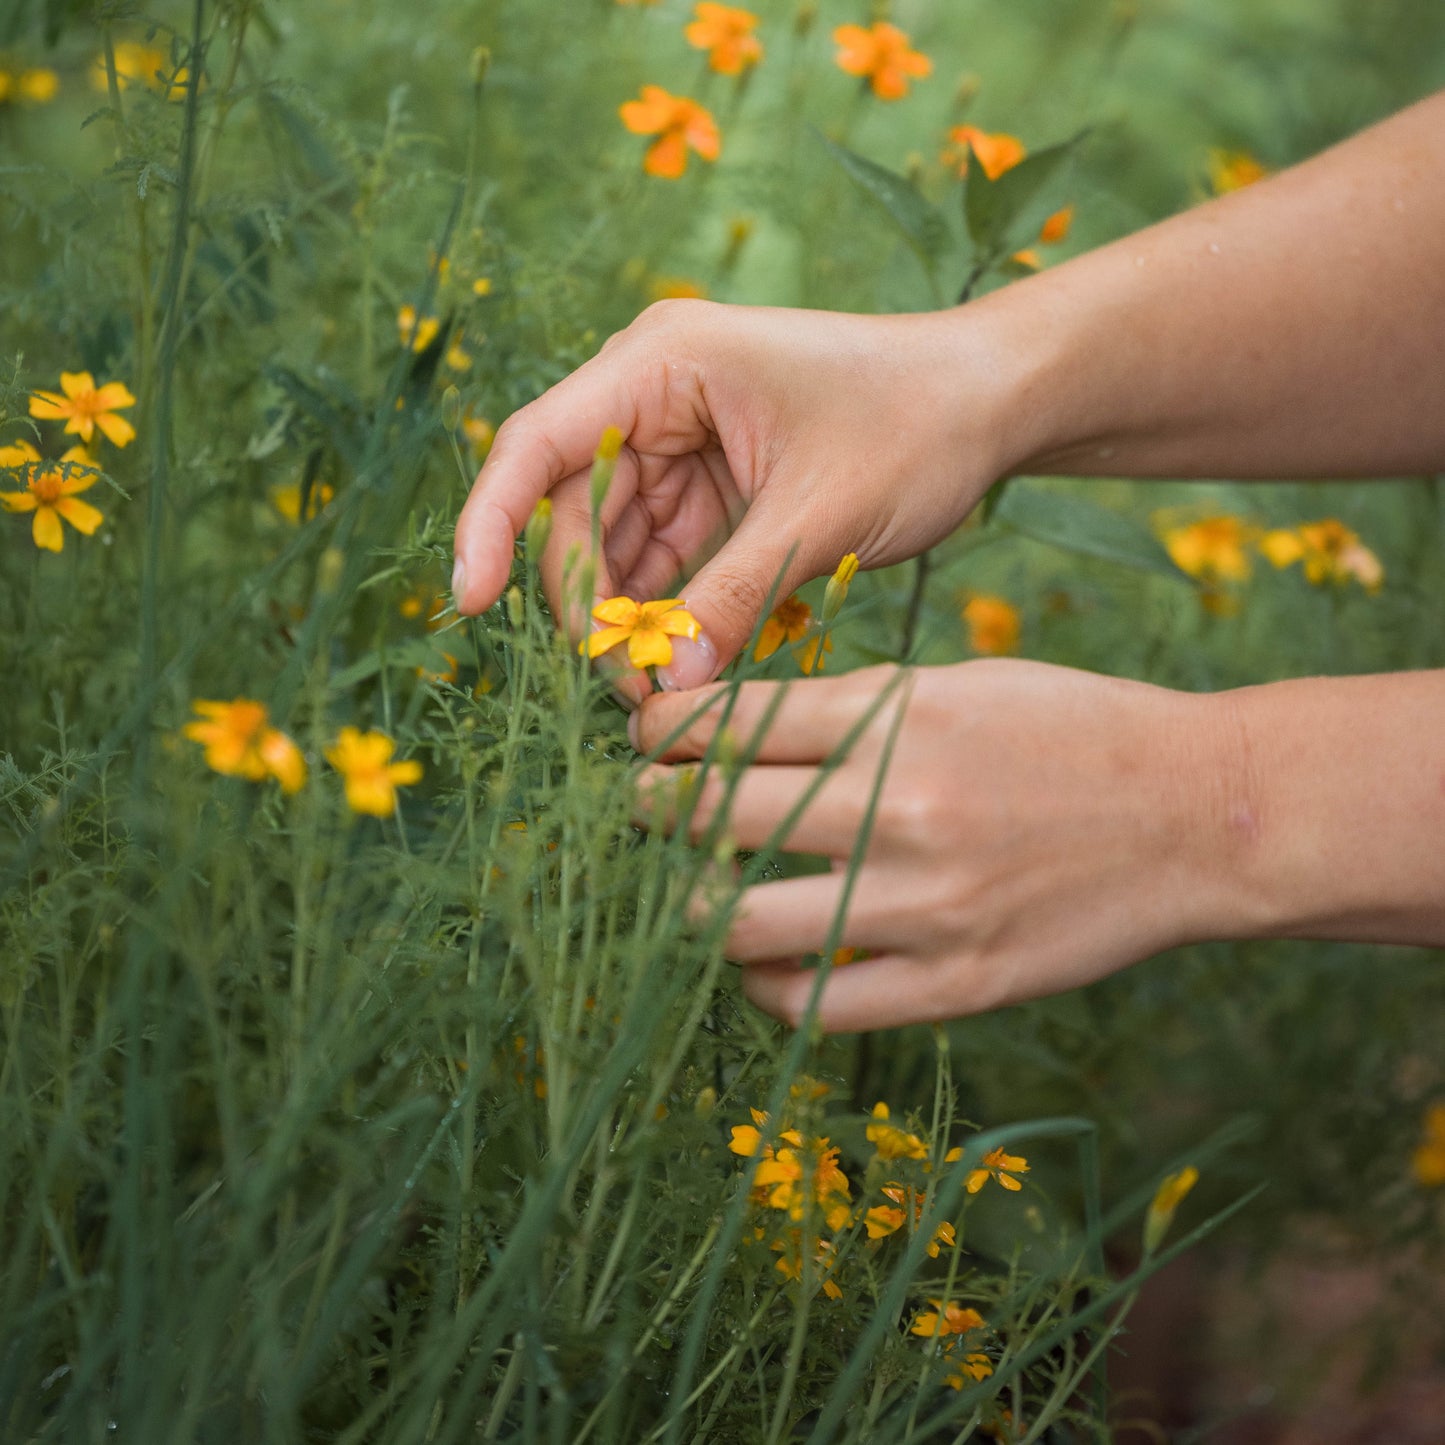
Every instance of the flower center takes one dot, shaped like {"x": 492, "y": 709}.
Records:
{"x": 45, "y": 487}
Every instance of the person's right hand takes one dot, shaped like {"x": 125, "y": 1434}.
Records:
{"x": 761, "y": 446}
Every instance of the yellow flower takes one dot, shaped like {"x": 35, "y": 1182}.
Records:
{"x": 417, "y": 334}
{"x": 973, "y": 1366}
{"x": 134, "y": 64}
{"x": 884, "y": 1219}
{"x": 1330, "y": 551}
{"x": 646, "y": 627}
{"x": 1212, "y": 549}
{"x": 798, "y": 1178}
{"x": 84, "y": 406}
{"x": 34, "y": 87}
{"x": 993, "y": 625}
{"x": 811, "y": 655}
{"x": 1167, "y": 1199}
{"x": 240, "y": 743}
{"x": 891, "y": 1142}
{"x": 676, "y": 288}
{"x": 1428, "y": 1161}
{"x": 287, "y": 500}
{"x": 364, "y": 761}
{"x": 947, "y": 1317}
{"x": 787, "y": 622}
{"x": 1000, "y": 1166}
{"x": 458, "y": 358}
{"x": 790, "y": 1266}
{"x": 1233, "y": 170}
{"x": 882, "y": 55}
{"x": 835, "y": 594}
{"x": 50, "y": 494}
{"x": 726, "y": 33}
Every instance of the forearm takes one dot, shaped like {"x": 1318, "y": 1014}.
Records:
{"x": 1292, "y": 329}
{"x": 1321, "y": 807}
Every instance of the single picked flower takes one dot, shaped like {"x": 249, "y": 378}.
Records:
{"x": 364, "y": 761}
{"x": 646, "y": 627}
{"x": 50, "y": 493}
{"x": 83, "y": 407}
{"x": 240, "y": 742}
{"x": 680, "y": 125}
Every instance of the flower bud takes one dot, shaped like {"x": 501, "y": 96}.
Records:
{"x": 836, "y": 593}
{"x": 451, "y": 409}
{"x": 604, "y": 464}
{"x": 514, "y": 605}
{"x": 1167, "y": 1199}
{"x": 539, "y": 529}
{"x": 481, "y": 63}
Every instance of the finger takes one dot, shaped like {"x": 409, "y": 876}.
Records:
{"x": 536, "y": 448}
{"x": 763, "y": 560}
{"x": 794, "y": 916}
{"x": 806, "y": 720}
{"x": 874, "y": 993}
{"x": 778, "y": 807}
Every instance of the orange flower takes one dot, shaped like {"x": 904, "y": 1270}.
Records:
{"x": 1428, "y": 1161}
{"x": 240, "y": 743}
{"x": 364, "y": 761}
{"x": 1212, "y": 549}
{"x": 993, "y": 625}
{"x": 1233, "y": 170}
{"x": 891, "y": 1142}
{"x": 1000, "y": 1166}
{"x": 1330, "y": 551}
{"x": 678, "y": 123}
{"x": 726, "y": 33}
{"x": 50, "y": 494}
{"x": 790, "y": 1266}
{"x": 882, "y": 55}
{"x": 973, "y": 1366}
{"x": 646, "y": 627}
{"x": 946, "y": 1318}
{"x": 997, "y": 152}
{"x": 84, "y": 406}
{"x": 1056, "y": 228}
{"x": 797, "y": 1177}
{"x": 883, "y": 1219}
{"x": 787, "y": 622}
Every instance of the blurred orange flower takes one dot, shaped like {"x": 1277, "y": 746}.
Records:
{"x": 1212, "y": 549}
{"x": 240, "y": 742}
{"x": 946, "y": 1318}
{"x": 1330, "y": 551}
{"x": 417, "y": 333}
{"x": 726, "y": 33}
{"x": 883, "y": 56}
{"x": 993, "y": 625}
{"x": 1233, "y": 170}
{"x": 1428, "y": 1161}
{"x": 678, "y": 123}
{"x": 997, "y": 152}
{"x": 364, "y": 762}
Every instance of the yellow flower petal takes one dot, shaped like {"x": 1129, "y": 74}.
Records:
{"x": 650, "y": 648}
{"x": 81, "y": 515}
{"x": 47, "y": 530}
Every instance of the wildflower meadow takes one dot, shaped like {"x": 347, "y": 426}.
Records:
{"x": 369, "y": 1070}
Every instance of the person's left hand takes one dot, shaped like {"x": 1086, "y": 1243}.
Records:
{"x": 1037, "y": 828}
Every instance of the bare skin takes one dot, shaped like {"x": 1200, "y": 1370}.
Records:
{"x": 1041, "y": 827}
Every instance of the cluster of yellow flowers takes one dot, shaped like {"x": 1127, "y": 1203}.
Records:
{"x": 1217, "y": 549}
{"x": 139, "y": 63}
{"x": 799, "y": 1175}
{"x": 51, "y": 487}
{"x": 35, "y": 85}
{"x": 241, "y": 743}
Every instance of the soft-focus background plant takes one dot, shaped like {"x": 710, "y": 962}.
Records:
{"x": 372, "y": 1085}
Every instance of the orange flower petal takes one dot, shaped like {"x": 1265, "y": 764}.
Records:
{"x": 81, "y": 515}
{"x": 46, "y": 529}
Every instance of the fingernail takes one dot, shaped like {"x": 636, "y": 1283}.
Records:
{"x": 694, "y": 662}
{"x": 459, "y": 581}
{"x": 634, "y": 731}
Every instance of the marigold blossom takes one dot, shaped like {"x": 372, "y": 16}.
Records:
{"x": 882, "y": 55}
{"x": 83, "y": 407}
{"x": 891, "y": 1142}
{"x": 679, "y": 123}
{"x": 800, "y": 1178}
{"x": 787, "y": 622}
{"x": 1330, "y": 551}
{"x": 288, "y": 500}
{"x": 240, "y": 742}
{"x": 966, "y": 1369}
{"x": 726, "y": 33}
{"x": 1056, "y": 227}
{"x": 947, "y": 1317}
{"x": 1166, "y": 1201}
{"x": 416, "y": 333}
{"x": 885, "y": 1219}
{"x": 993, "y": 625}
{"x": 364, "y": 761}
{"x": 997, "y": 152}
{"x": 1000, "y": 1166}
{"x": 1212, "y": 549}
{"x": 790, "y": 1266}
{"x": 1233, "y": 170}
{"x": 1427, "y": 1163}
{"x": 50, "y": 493}
{"x": 646, "y": 627}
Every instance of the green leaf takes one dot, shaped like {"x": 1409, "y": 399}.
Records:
{"x": 1015, "y": 204}
{"x": 918, "y": 220}
{"x": 1084, "y": 527}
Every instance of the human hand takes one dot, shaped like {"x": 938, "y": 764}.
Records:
{"x": 761, "y": 445}
{"x": 1037, "y": 828}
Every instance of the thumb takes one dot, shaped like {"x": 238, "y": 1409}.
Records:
{"x": 760, "y": 564}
